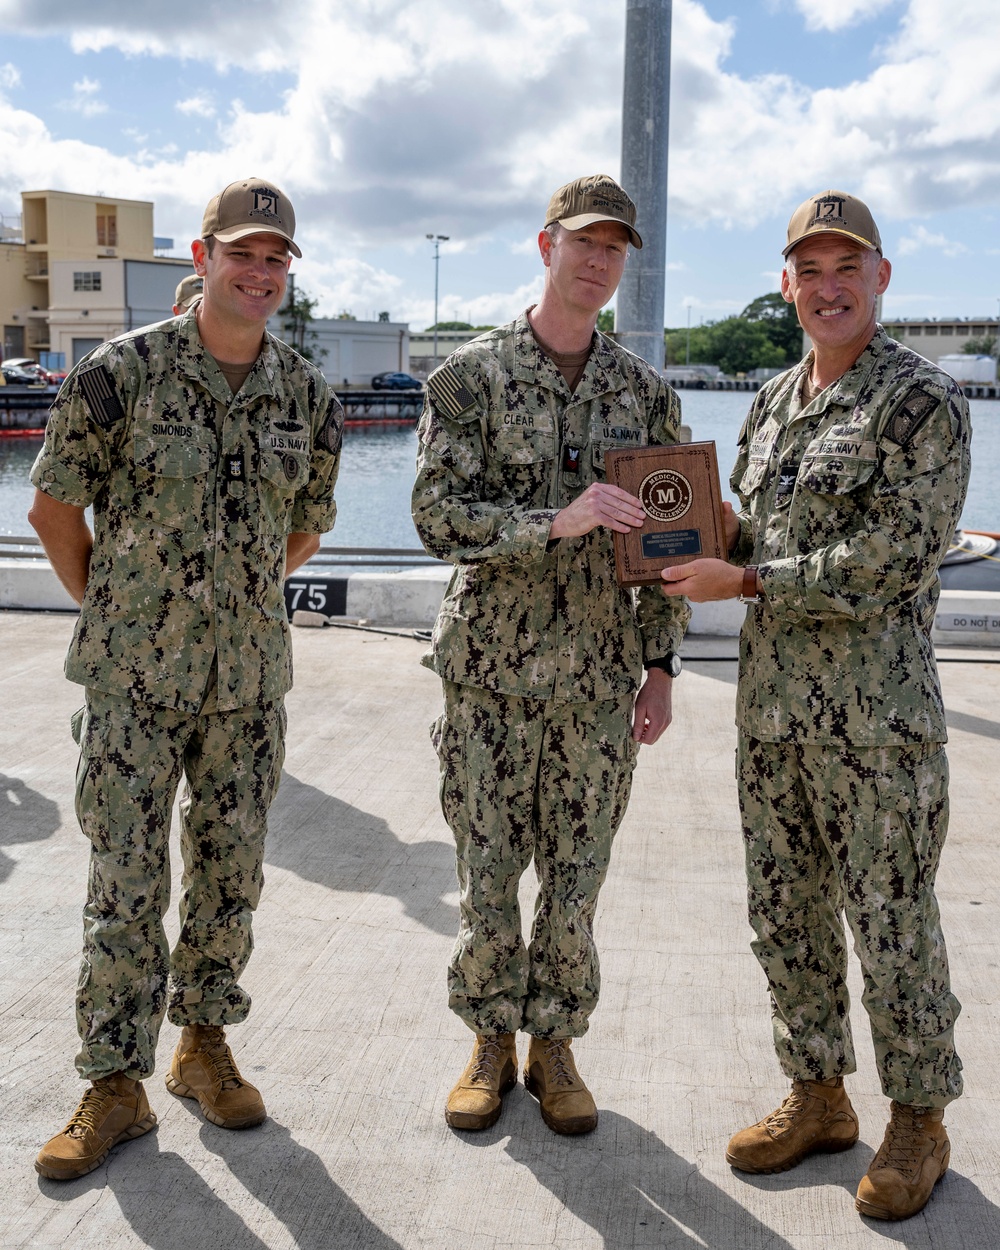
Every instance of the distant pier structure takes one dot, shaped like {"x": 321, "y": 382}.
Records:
{"x": 645, "y": 135}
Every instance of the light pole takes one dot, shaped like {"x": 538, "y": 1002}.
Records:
{"x": 437, "y": 240}
{"x": 687, "y": 349}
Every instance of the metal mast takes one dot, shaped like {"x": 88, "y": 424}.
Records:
{"x": 645, "y": 132}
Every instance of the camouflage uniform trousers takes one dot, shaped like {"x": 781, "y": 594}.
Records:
{"x": 830, "y": 830}
{"x": 131, "y": 761}
{"x": 523, "y": 778}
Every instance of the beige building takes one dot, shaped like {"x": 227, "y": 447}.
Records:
{"x": 937, "y": 338}
{"x": 65, "y": 284}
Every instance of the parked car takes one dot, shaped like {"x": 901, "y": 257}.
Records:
{"x": 395, "y": 382}
{"x": 14, "y": 375}
{"x": 34, "y": 371}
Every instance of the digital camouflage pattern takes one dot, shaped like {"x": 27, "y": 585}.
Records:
{"x": 132, "y": 758}
{"x": 850, "y": 505}
{"x": 523, "y": 778}
{"x": 504, "y": 446}
{"x": 835, "y": 829}
{"x": 195, "y": 491}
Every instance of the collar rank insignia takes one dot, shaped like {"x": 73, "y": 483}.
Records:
{"x": 910, "y": 416}
{"x": 450, "y": 394}
{"x": 98, "y": 387}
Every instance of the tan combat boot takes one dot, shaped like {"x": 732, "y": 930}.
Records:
{"x": 815, "y": 1118}
{"x": 203, "y": 1068}
{"x": 550, "y": 1074}
{"x": 114, "y": 1109}
{"x": 911, "y": 1160}
{"x": 477, "y": 1099}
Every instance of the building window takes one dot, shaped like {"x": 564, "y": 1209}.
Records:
{"x": 930, "y": 329}
{"x": 914, "y": 332}
{"x": 87, "y": 281}
{"x": 947, "y": 329}
{"x": 961, "y": 329}
{"x": 107, "y": 227}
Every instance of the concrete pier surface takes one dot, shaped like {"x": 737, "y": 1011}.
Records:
{"x": 350, "y": 1038}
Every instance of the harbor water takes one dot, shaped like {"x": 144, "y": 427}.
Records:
{"x": 376, "y": 474}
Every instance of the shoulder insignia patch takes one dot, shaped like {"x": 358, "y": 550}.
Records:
{"x": 98, "y": 388}
{"x": 332, "y": 429}
{"x": 910, "y": 415}
{"x": 449, "y": 392}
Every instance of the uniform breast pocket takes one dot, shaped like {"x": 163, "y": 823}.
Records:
{"x": 171, "y": 478}
{"x": 283, "y": 473}
{"x": 835, "y": 475}
{"x": 752, "y": 478}
{"x": 521, "y": 463}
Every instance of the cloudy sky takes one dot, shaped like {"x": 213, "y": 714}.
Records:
{"x": 386, "y": 120}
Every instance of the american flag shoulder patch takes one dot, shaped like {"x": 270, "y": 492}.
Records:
{"x": 449, "y": 393}
{"x": 98, "y": 389}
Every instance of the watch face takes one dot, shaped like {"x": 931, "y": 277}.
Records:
{"x": 673, "y": 664}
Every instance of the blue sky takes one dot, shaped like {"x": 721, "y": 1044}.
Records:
{"x": 385, "y": 120}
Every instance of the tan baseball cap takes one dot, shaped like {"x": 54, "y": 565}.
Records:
{"x": 594, "y": 198}
{"x": 188, "y": 290}
{"x": 834, "y": 212}
{"x": 252, "y": 206}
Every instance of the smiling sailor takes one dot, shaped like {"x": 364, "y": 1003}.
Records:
{"x": 852, "y": 471}
{"x": 540, "y": 651}
{"x": 209, "y": 451}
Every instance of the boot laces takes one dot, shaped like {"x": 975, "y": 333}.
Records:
{"x": 92, "y": 1108}
{"x": 791, "y": 1109}
{"x": 212, "y": 1043}
{"x": 487, "y": 1063}
{"x": 558, "y": 1062}
{"x": 905, "y": 1140}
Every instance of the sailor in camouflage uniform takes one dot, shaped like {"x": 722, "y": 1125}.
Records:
{"x": 539, "y": 649}
{"x": 209, "y": 451}
{"x": 852, "y": 472}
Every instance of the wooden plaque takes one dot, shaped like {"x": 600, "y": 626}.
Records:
{"x": 679, "y": 490}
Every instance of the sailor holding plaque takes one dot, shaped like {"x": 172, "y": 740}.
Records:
{"x": 852, "y": 471}
{"x": 539, "y": 649}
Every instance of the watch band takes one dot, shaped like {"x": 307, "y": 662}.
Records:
{"x": 669, "y": 663}
{"x": 749, "y": 593}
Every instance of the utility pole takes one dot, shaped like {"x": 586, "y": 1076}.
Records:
{"x": 437, "y": 240}
{"x": 645, "y": 136}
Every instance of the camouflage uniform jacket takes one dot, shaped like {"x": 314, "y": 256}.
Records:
{"x": 850, "y": 504}
{"x": 194, "y": 491}
{"x": 503, "y": 447}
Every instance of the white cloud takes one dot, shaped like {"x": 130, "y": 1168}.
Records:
{"x": 85, "y": 99}
{"x": 460, "y": 116}
{"x": 920, "y": 237}
{"x": 821, "y": 15}
{"x": 10, "y": 76}
{"x": 200, "y": 104}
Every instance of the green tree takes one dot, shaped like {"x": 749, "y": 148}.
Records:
{"x": 780, "y": 321}
{"x": 297, "y": 316}
{"x": 981, "y": 347}
{"x": 606, "y": 320}
{"x": 739, "y": 345}
{"x": 451, "y": 325}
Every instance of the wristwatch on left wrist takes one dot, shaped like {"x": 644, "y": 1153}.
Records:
{"x": 670, "y": 663}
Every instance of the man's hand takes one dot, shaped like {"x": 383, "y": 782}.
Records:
{"x": 732, "y": 526}
{"x": 703, "y": 581}
{"x": 298, "y": 549}
{"x": 653, "y": 711}
{"x": 600, "y": 504}
{"x": 67, "y": 540}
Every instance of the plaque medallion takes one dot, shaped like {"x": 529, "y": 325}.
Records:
{"x": 666, "y": 495}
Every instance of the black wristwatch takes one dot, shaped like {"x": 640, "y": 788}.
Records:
{"x": 670, "y": 663}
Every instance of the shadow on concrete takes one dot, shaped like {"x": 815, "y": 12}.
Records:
{"x": 632, "y": 1189}
{"x": 972, "y": 724}
{"x": 322, "y": 839}
{"x": 293, "y": 1184}
{"x": 958, "y": 1215}
{"x": 721, "y": 670}
{"x": 162, "y": 1198}
{"x": 25, "y": 816}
